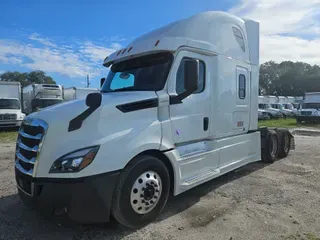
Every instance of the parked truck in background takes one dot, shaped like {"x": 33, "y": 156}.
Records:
{"x": 264, "y": 104}
{"x": 39, "y": 96}
{"x": 10, "y": 104}
{"x": 74, "y": 93}
{"x": 310, "y": 109}
{"x": 178, "y": 108}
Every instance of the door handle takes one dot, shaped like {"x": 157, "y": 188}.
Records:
{"x": 205, "y": 123}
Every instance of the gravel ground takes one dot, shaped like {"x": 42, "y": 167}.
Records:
{"x": 258, "y": 201}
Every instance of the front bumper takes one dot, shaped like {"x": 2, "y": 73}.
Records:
{"x": 16, "y": 123}
{"x": 85, "y": 200}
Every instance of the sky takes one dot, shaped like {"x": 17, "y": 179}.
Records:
{"x": 69, "y": 41}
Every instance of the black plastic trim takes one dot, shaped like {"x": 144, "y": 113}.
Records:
{"x": 138, "y": 105}
{"x": 174, "y": 100}
{"x": 76, "y": 123}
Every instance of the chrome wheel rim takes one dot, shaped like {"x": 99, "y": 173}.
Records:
{"x": 146, "y": 192}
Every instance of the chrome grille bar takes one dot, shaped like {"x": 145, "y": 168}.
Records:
{"x": 26, "y": 135}
{"x": 24, "y": 159}
{"x": 21, "y": 145}
{"x": 21, "y": 169}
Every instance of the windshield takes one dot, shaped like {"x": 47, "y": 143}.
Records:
{"x": 311, "y": 105}
{"x": 9, "y": 104}
{"x": 288, "y": 106}
{"x": 146, "y": 73}
{"x": 295, "y": 105}
{"x": 49, "y": 102}
{"x": 42, "y": 103}
{"x": 264, "y": 106}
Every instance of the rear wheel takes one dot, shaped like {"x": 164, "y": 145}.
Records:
{"x": 285, "y": 145}
{"x": 270, "y": 150}
{"x": 142, "y": 192}
{"x": 270, "y": 115}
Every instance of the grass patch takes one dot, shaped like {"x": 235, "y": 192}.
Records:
{"x": 8, "y": 136}
{"x": 286, "y": 123}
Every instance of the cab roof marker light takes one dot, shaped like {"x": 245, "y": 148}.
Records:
{"x": 129, "y": 49}
{"x": 157, "y": 42}
{"x": 119, "y": 52}
{"x": 124, "y": 51}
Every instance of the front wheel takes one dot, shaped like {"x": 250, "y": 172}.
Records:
{"x": 142, "y": 192}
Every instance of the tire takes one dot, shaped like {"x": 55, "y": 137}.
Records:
{"x": 299, "y": 121}
{"x": 270, "y": 151}
{"x": 270, "y": 116}
{"x": 126, "y": 203}
{"x": 284, "y": 116}
{"x": 284, "y": 147}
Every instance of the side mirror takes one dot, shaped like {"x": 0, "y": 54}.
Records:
{"x": 102, "y": 80}
{"x": 191, "y": 75}
{"x": 93, "y": 100}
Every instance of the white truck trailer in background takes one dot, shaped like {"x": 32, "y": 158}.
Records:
{"x": 10, "y": 104}
{"x": 178, "y": 108}
{"x": 310, "y": 110}
{"x": 39, "y": 96}
{"x": 74, "y": 93}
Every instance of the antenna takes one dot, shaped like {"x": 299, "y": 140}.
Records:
{"x": 88, "y": 81}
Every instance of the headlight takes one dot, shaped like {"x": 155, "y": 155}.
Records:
{"x": 74, "y": 161}
{"x": 22, "y": 116}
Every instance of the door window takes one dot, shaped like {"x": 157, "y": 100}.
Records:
{"x": 180, "y": 77}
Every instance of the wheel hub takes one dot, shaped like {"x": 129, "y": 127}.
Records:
{"x": 146, "y": 192}
{"x": 149, "y": 193}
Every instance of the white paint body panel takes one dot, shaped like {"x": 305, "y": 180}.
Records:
{"x": 197, "y": 155}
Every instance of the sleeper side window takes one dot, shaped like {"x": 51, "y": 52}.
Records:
{"x": 180, "y": 77}
{"x": 242, "y": 86}
{"x": 239, "y": 37}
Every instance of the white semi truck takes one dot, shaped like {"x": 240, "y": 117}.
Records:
{"x": 74, "y": 93}
{"x": 264, "y": 104}
{"x": 10, "y": 104}
{"x": 178, "y": 108}
{"x": 310, "y": 109}
{"x": 39, "y": 96}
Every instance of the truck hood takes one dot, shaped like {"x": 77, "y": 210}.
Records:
{"x": 65, "y": 112}
{"x": 108, "y": 127}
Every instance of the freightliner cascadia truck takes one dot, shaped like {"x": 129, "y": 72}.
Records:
{"x": 178, "y": 108}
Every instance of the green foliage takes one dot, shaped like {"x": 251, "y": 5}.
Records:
{"x": 27, "y": 78}
{"x": 286, "y": 123}
{"x": 289, "y": 78}
{"x": 8, "y": 136}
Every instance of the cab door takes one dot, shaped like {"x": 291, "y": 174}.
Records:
{"x": 190, "y": 118}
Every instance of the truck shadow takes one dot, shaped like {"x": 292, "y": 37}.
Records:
{"x": 180, "y": 203}
{"x": 16, "y": 220}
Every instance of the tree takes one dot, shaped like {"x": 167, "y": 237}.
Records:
{"x": 289, "y": 78}
{"x": 27, "y": 78}
{"x": 39, "y": 77}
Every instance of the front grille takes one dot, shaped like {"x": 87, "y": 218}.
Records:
{"x": 306, "y": 113}
{"x": 29, "y": 141}
{"x": 6, "y": 117}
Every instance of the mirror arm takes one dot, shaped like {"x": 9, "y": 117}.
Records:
{"x": 178, "y": 98}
